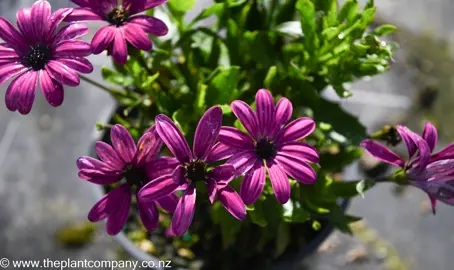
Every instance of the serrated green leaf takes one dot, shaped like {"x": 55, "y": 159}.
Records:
{"x": 384, "y": 30}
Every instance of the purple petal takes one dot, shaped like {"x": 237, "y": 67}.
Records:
{"x": 154, "y": 3}
{"x": 62, "y": 73}
{"x": 83, "y": 14}
{"x": 284, "y": 110}
{"x": 265, "y": 112}
{"x": 433, "y": 203}
{"x": 430, "y": 135}
{"x": 212, "y": 189}
{"x": 301, "y": 150}
{"x": 220, "y": 151}
{"x": 382, "y": 153}
{"x": 100, "y": 177}
{"x": 72, "y": 48}
{"x": 223, "y": 174}
{"x": 158, "y": 188}
{"x": 134, "y": 6}
{"x": 117, "y": 219}
{"x": 253, "y": 183}
{"x": 232, "y": 202}
{"x": 51, "y": 89}
{"x": 106, "y": 205}
{"x": 149, "y": 215}
{"x": 70, "y": 31}
{"x": 423, "y": 153}
{"x": 445, "y": 153}
{"x": 150, "y": 25}
{"x": 173, "y": 138}
{"x": 41, "y": 16}
{"x": 243, "y": 161}
{"x": 406, "y": 136}
{"x": 11, "y": 36}
{"x": 123, "y": 143}
{"x": 79, "y": 64}
{"x": 9, "y": 70}
{"x": 55, "y": 19}
{"x": 25, "y": 24}
{"x": 161, "y": 166}
{"x": 179, "y": 175}
{"x": 297, "y": 168}
{"x": 109, "y": 156}
{"x": 279, "y": 181}
{"x": 119, "y": 47}
{"x": 235, "y": 138}
{"x": 296, "y": 130}
{"x": 20, "y": 94}
{"x": 148, "y": 146}
{"x": 137, "y": 37}
{"x": 184, "y": 213}
{"x": 168, "y": 203}
{"x": 247, "y": 117}
{"x": 85, "y": 162}
{"x": 103, "y": 38}
{"x": 207, "y": 132}
{"x": 7, "y": 52}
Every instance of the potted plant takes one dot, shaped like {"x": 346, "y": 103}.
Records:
{"x": 222, "y": 153}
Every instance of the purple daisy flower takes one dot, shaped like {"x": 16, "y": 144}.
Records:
{"x": 433, "y": 173}
{"x": 132, "y": 163}
{"x": 192, "y": 168}
{"x": 269, "y": 144}
{"x": 125, "y": 25}
{"x": 38, "y": 50}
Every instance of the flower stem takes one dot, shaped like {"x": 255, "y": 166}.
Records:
{"x": 111, "y": 91}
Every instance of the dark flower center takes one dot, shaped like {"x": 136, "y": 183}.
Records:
{"x": 135, "y": 176}
{"x": 38, "y": 57}
{"x": 265, "y": 148}
{"x": 196, "y": 171}
{"x": 117, "y": 16}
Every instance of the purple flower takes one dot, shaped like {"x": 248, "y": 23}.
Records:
{"x": 125, "y": 26}
{"x": 269, "y": 144}
{"x": 433, "y": 173}
{"x": 192, "y": 167}
{"x": 133, "y": 163}
{"x": 39, "y": 50}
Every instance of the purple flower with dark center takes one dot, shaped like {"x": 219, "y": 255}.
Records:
{"x": 125, "y": 25}
{"x": 269, "y": 144}
{"x": 132, "y": 163}
{"x": 433, "y": 173}
{"x": 38, "y": 50}
{"x": 192, "y": 167}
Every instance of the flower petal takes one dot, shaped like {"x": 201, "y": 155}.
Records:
{"x": 72, "y": 48}
{"x": 100, "y": 177}
{"x": 62, "y": 73}
{"x": 11, "y": 36}
{"x": 168, "y": 203}
{"x": 85, "y": 162}
{"x": 103, "y": 38}
{"x": 184, "y": 213}
{"x": 247, "y": 117}
{"x": 56, "y": 19}
{"x": 212, "y": 189}
{"x": 284, "y": 111}
{"x": 79, "y": 64}
{"x": 382, "y": 153}
{"x": 154, "y": 3}
{"x": 106, "y": 205}
{"x": 9, "y": 70}
{"x": 7, "y": 52}
{"x": 117, "y": 219}
{"x": 137, "y": 37}
{"x": 161, "y": 166}
{"x": 25, "y": 24}
{"x": 20, "y": 94}
{"x": 134, "y": 6}
{"x": 223, "y": 174}
{"x": 70, "y": 31}
{"x": 158, "y": 188}
{"x": 173, "y": 138}
{"x": 296, "y": 130}
{"x": 406, "y": 136}
{"x": 297, "y": 168}
{"x": 253, "y": 183}
{"x": 83, "y": 14}
{"x": 265, "y": 112}
{"x": 150, "y": 25}
{"x": 232, "y": 202}
{"x": 207, "y": 132}
{"x": 220, "y": 151}
{"x": 149, "y": 215}
{"x": 109, "y": 156}
{"x": 430, "y": 135}
{"x": 235, "y": 138}
{"x": 119, "y": 47}
{"x": 123, "y": 143}
{"x": 445, "y": 153}
{"x": 40, "y": 13}
{"x": 51, "y": 89}
{"x": 148, "y": 146}
{"x": 301, "y": 150}
{"x": 279, "y": 181}
{"x": 243, "y": 161}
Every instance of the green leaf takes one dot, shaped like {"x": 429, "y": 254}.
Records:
{"x": 361, "y": 187}
{"x": 332, "y": 13}
{"x": 201, "y": 94}
{"x": 348, "y": 11}
{"x": 282, "y": 239}
{"x": 146, "y": 84}
{"x": 182, "y": 118}
{"x": 214, "y": 9}
{"x": 270, "y": 77}
{"x": 182, "y": 6}
{"x": 384, "y": 30}
{"x": 349, "y": 189}
{"x": 307, "y": 10}
{"x": 230, "y": 227}
{"x": 258, "y": 215}
{"x": 223, "y": 88}
{"x": 116, "y": 77}
{"x": 336, "y": 162}
{"x": 226, "y": 109}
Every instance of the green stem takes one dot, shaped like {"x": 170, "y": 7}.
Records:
{"x": 113, "y": 92}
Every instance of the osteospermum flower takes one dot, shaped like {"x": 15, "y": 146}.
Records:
{"x": 434, "y": 173}
{"x": 39, "y": 51}
{"x": 125, "y": 25}
{"x": 192, "y": 168}
{"x": 269, "y": 144}
{"x": 132, "y": 163}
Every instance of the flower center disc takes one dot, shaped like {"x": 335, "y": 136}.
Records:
{"x": 265, "y": 148}
{"x": 38, "y": 57}
{"x": 196, "y": 171}
{"x": 117, "y": 16}
{"x": 135, "y": 176}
